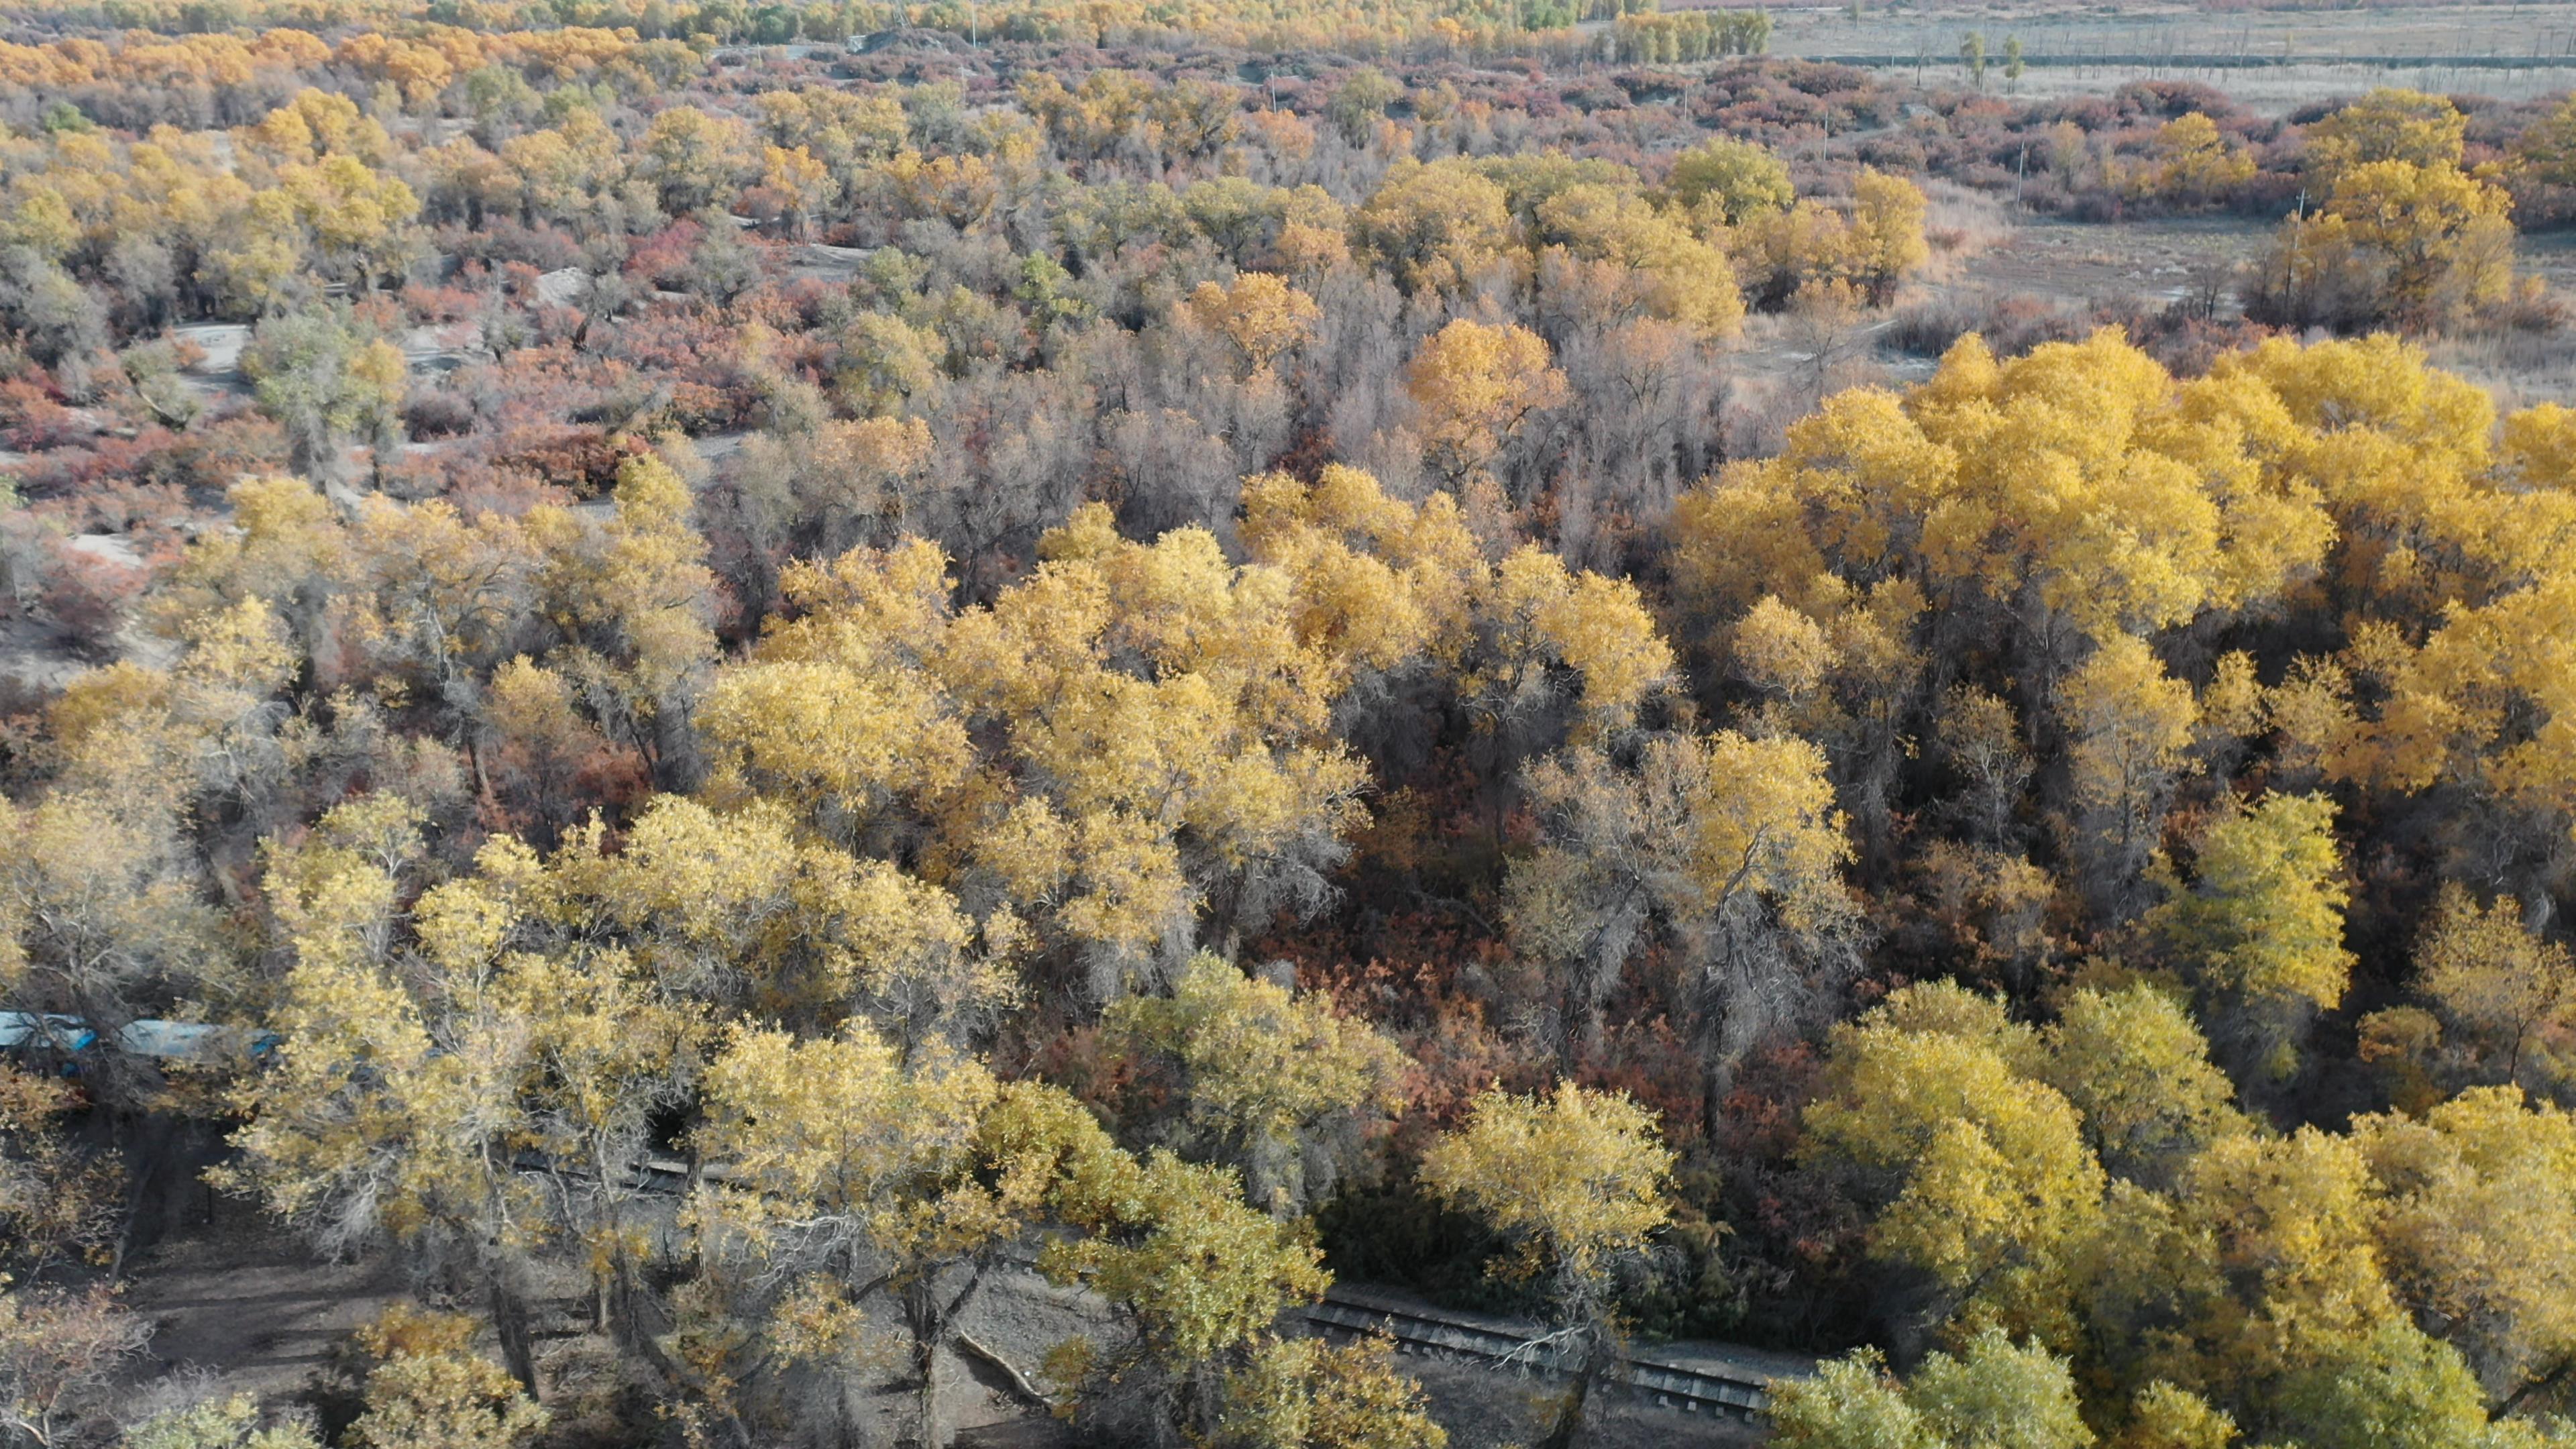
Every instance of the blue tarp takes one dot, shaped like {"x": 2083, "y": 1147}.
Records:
{"x": 191, "y": 1040}
{"x": 165, "y": 1040}
{"x": 25, "y": 1029}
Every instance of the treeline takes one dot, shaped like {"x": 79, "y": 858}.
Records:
{"x": 1491, "y": 28}
{"x": 1690, "y": 35}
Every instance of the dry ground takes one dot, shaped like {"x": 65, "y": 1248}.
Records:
{"x": 241, "y": 1307}
{"x": 2157, "y": 262}
{"x": 2376, "y": 47}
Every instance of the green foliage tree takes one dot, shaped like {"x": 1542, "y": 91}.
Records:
{"x": 1994, "y": 1393}
{"x": 329, "y": 382}
{"x": 2262, "y": 925}
{"x": 2134, "y": 1063}
{"x": 1729, "y": 181}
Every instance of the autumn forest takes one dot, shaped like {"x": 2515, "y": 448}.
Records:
{"x": 851, "y": 724}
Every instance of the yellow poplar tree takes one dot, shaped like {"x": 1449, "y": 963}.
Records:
{"x": 1574, "y": 1182}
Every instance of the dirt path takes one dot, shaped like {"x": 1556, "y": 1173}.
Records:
{"x": 249, "y": 1308}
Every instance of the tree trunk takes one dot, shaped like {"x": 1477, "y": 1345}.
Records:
{"x": 1717, "y": 1083}
{"x": 1717, "y": 1060}
{"x": 1569, "y": 1418}
{"x": 845, "y": 1415}
{"x": 518, "y": 1343}
{"x": 925, "y": 1359}
{"x": 920, "y": 1300}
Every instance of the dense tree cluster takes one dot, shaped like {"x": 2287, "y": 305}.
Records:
{"x": 1050, "y": 654}
{"x": 2401, "y": 233}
